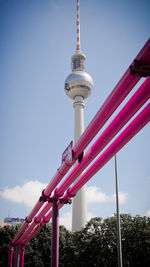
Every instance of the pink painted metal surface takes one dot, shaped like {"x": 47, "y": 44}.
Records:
{"x": 21, "y": 264}
{"x": 55, "y": 235}
{"x": 121, "y": 90}
{"x": 33, "y": 233}
{"x": 55, "y": 180}
{"x": 132, "y": 106}
{"x": 10, "y": 258}
{"x": 21, "y": 230}
{"x": 26, "y": 233}
{"x": 58, "y": 176}
{"x": 16, "y": 256}
{"x": 37, "y": 220}
{"x": 134, "y": 127}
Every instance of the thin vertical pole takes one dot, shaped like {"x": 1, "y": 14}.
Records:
{"x": 10, "y": 258}
{"x": 16, "y": 257}
{"x": 119, "y": 247}
{"x": 55, "y": 235}
{"x": 21, "y": 264}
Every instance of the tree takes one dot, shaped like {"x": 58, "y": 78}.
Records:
{"x": 6, "y": 235}
{"x": 94, "y": 245}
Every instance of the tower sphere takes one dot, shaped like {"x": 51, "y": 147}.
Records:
{"x": 79, "y": 82}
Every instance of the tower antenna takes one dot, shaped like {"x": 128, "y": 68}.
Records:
{"x": 78, "y": 27}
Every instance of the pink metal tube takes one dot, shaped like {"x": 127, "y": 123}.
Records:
{"x": 36, "y": 229}
{"x": 56, "y": 179}
{"x": 16, "y": 256}
{"x": 39, "y": 226}
{"x": 45, "y": 220}
{"x": 55, "y": 235}
{"x": 21, "y": 264}
{"x": 58, "y": 176}
{"x": 10, "y": 258}
{"x": 132, "y": 106}
{"x": 23, "y": 227}
{"x": 28, "y": 220}
{"x": 121, "y": 90}
{"x": 37, "y": 220}
{"x": 134, "y": 127}
{"x": 119, "y": 93}
{"x": 138, "y": 123}
{"x": 26, "y": 233}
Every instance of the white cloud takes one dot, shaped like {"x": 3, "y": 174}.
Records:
{"x": 27, "y": 194}
{"x": 148, "y": 213}
{"x": 122, "y": 197}
{"x": 94, "y": 195}
{"x": 31, "y": 191}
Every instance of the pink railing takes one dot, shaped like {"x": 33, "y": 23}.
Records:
{"x": 122, "y": 89}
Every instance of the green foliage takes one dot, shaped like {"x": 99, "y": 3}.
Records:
{"x": 95, "y": 245}
{"x": 6, "y": 235}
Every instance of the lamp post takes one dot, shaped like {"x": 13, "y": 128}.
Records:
{"x": 119, "y": 247}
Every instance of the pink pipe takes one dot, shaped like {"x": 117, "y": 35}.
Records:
{"x": 121, "y": 90}
{"x": 37, "y": 220}
{"x": 26, "y": 233}
{"x": 21, "y": 264}
{"x": 58, "y": 176}
{"x": 16, "y": 256}
{"x": 23, "y": 227}
{"x": 132, "y": 106}
{"x": 37, "y": 206}
{"x": 10, "y": 257}
{"x": 36, "y": 229}
{"x": 134, "y": 127}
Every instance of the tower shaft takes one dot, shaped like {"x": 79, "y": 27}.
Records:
{"x": 79, "y": 209}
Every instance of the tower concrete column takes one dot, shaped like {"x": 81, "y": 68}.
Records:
{"x": 79, "y": 209}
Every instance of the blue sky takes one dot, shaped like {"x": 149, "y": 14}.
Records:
{"x": 37, "y": 40}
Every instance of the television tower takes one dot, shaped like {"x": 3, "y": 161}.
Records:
{"x": 78, "y": 86}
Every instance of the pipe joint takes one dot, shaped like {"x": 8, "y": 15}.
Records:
{"x": 44, "y": 197}
{"x": 44, "y": 220}
{"x": 69, "y": 194}
{"x": 65, "y": 201}
{"x": 27, "y": 220}
{"x": 56, "y": 194}
{"x": 36, "y": 220}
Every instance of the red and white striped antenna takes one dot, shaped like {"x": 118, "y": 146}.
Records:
{"x": 78, "y": 27}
